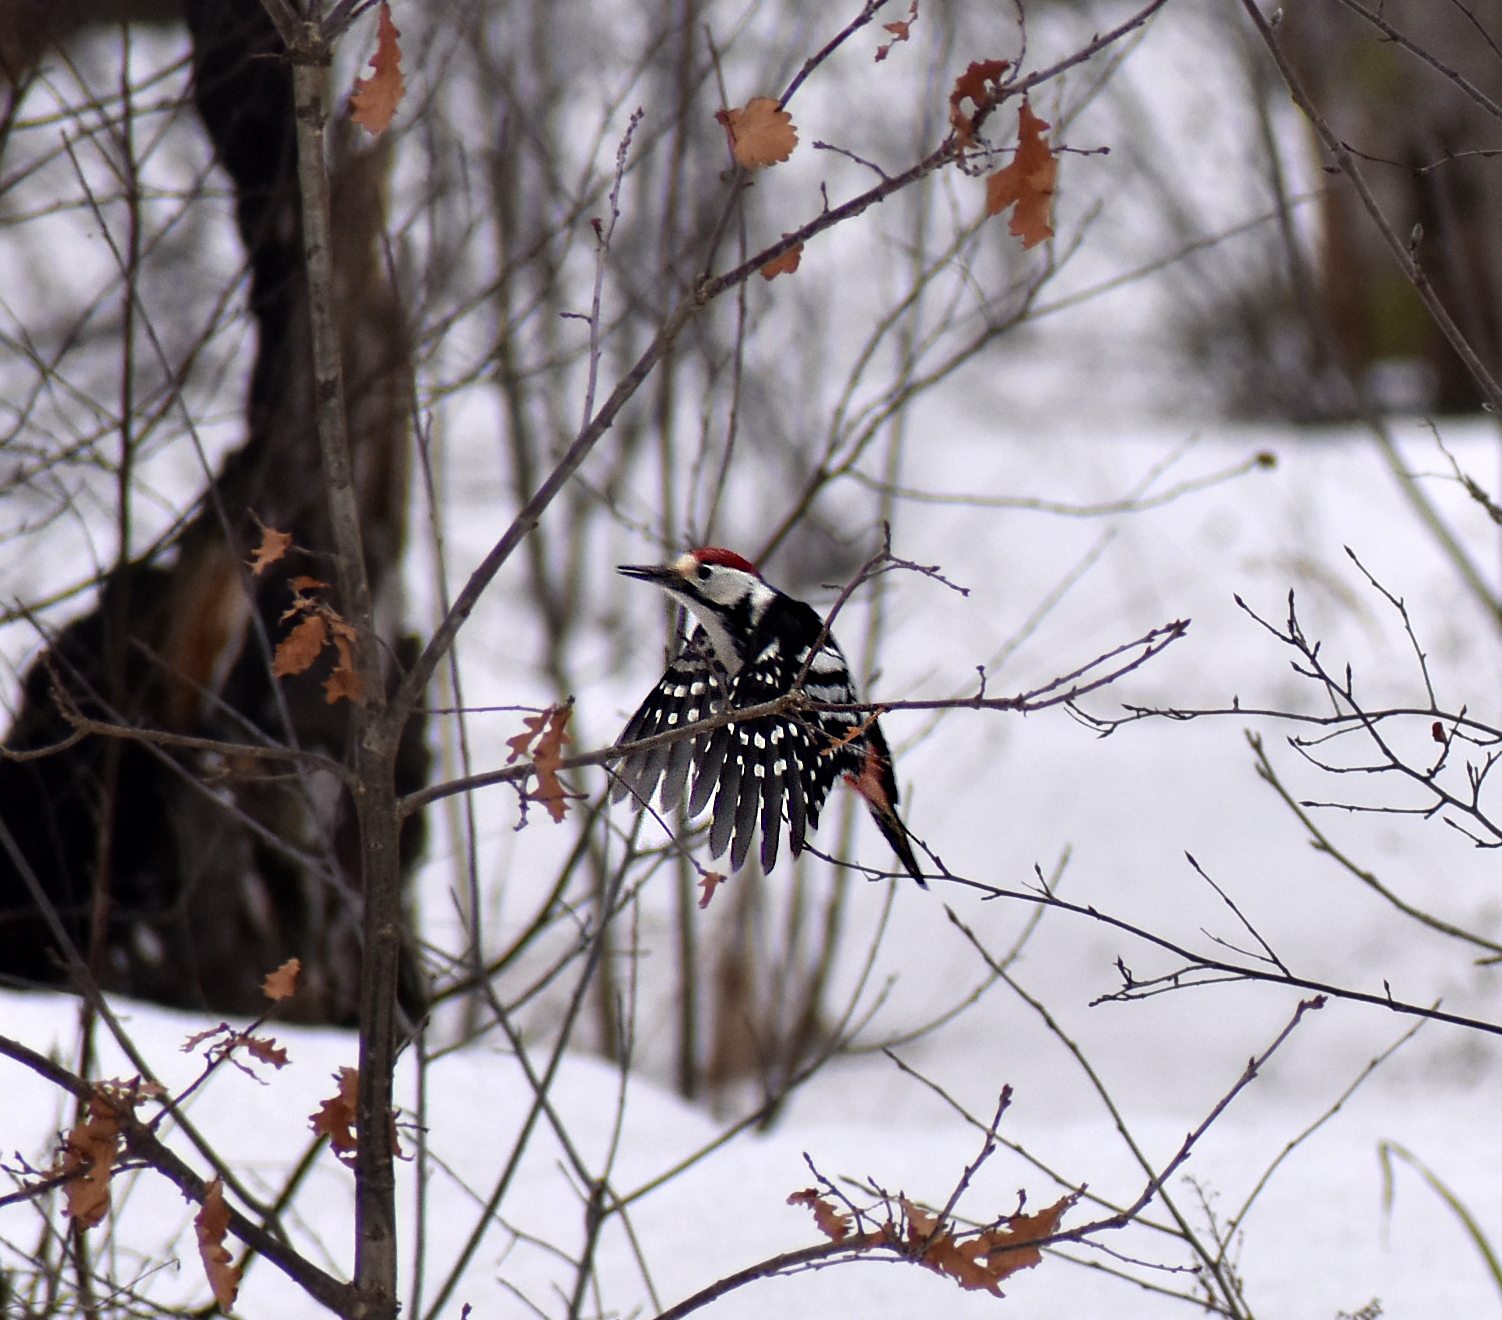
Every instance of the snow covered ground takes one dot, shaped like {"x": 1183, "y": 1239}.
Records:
{"x": 993, "y": 794}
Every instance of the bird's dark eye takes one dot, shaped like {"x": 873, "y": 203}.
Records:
{"x": 704, "y": 572}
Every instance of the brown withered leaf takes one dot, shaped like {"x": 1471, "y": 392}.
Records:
{"x": 762, "y": 134}
{"x": 211, "y": 1223}
{"x": 546, "y": 759}
{"x": 344, "y": 680}
{"x": 521, "y": 742}
{"x": 786, "y": 264}
{"x": 274, "y": 545}
{"x": 337, "y": 1117}
{"x": 980, "y": 1261}
{"x": 374, "y": 100}
{"x": 296, "y": 651}
{"x": 282, "y": 983}
{"x": 900, "y": 32}
{"x": 550, "y": 790}
{"x": 708, "y": 883}
{"x": 300, "y": 585}
{"x": 265, "y": 1049}
{"x": 832, "y": 1222}
{"x": 89, "y": 1150}
{"x": 978, "y": 85}
{"x": 198, "y": 1037}
{"x": 1027, "y": 181}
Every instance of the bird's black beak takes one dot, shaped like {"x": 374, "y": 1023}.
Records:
{"x": 658, "y": 574}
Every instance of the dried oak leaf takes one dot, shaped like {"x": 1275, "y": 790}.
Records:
{"x": 282, "y": 983}
{"x": 300, "y": 647}
{"x": 520, "y": 743}
{"x": 761, "y": 134}
{"x": 198, "y": 1037}
{"x": 978, "y": 85}
{"x": 265, "y": 1049}
{"x": 547, "y": 757}
{"x": 336, "y": 1118}
{"x": 274, "y": 545}
{"x": 980, "y": 1261}
{"x": 1028, "y": 181}
{"x": 709, "y": 882}
{"x": 374, "y": 100}
{"x": 900, "y": 32}
{"x": 344, "y": 680}
{"x": 89, "y": 1151}
{"x": 834, "y": 1224}
{"x": 550, "y": 790}
{"x": 786, "y": 264}
{"x": 211, "y": 1223}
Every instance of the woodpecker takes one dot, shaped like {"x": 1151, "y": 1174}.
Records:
{"x": 749, "y": 646}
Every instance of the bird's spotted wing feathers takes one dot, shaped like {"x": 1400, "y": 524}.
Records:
{"x": 766, "y": 770}
{"x": 773, "y": 763}
{"x": 691, "y": 688}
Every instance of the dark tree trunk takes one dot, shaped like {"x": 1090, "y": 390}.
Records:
{"x": 219, "y": 869}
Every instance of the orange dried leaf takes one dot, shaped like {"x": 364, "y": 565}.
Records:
{"x": 979, "y": 85}
{"x": 89, "y": 1150}
{"x": 710, "y": 881}
{"x": 374, "y": 100}
{"x": 521, "y": 742}
{"x": 266, "y": 1050}
{"x": 834, "y": 1224}
{"x": 274, "y": 545}
{"x": 299, "y": 648}
{"x": 761, "y": 134}
{"x": 900, "y": 32}
{"x": 980, "y": 1261}
{"x": 282, "y": 983}
{"x": 786, "y": 264}
{"x": 336, "y": 1118}
{"x": 211, "y": 1223}
{"x": 198, "y": 1037}
{"x": 551, "y": 791}
{"x": 304, "y": 583}
{"x": 1028, "y": 181}
{"x": 345, "y": 680}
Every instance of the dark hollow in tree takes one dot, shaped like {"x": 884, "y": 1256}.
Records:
{"x": 218, "y": 869}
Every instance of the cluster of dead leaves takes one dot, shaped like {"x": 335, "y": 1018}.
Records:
{"x": 227, "y": 1040}
{"x": 91, "y": 1146}
{"x": 319, "y": 625}
{"x": 900, "y": 30}
{"x": 978, "y": 1260}
{"x": 337, "y": 1117}
{"x": 374, "y": 100}
{"x": 1028, "y": 181}
{"x": 550, "y": 730}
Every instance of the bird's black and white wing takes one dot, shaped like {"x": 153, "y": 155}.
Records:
{"x": 776, "y": 764}
{"x": 691, "y": 688}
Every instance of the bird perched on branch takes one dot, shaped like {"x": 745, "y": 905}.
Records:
{"x": 751, "y": 645}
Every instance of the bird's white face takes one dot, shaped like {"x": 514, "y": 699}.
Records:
{"x": 719, "y": 584}
{"x": 728, "y": 599}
